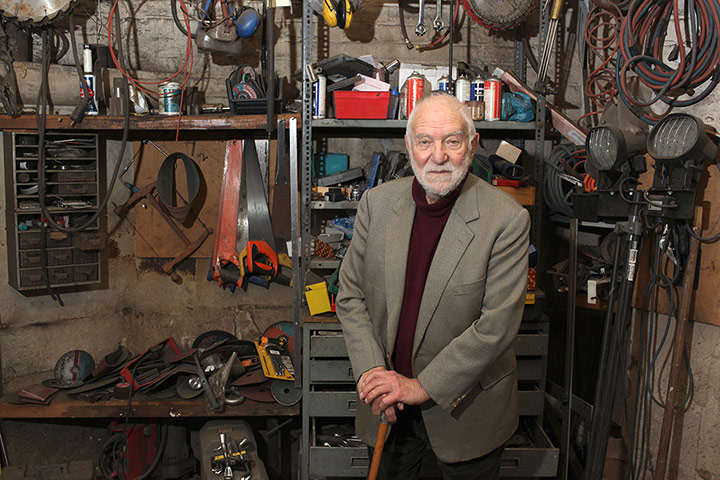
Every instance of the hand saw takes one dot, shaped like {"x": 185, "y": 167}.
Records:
{"x": 262, "y": 256}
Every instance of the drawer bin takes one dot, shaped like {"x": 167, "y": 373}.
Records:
{"x": 86, "y": 273}
{"x": 31, "y": 259}
{"x": 331, "y": 371}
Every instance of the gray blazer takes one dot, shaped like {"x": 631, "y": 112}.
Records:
{"x": 470, "y": 312}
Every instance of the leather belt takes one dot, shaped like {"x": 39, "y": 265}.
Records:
{"x": 166, "y": 188}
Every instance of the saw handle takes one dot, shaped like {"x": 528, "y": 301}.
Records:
{"x": 258, "y": 251}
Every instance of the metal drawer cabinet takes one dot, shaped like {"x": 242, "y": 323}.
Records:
{"x": 329, "y": 396}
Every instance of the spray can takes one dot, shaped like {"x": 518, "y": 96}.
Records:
{"x": 89, "y": 81}
{"x": 415, "y": 88}
{"x": 462, "y": 89}
{"x": 319, "y": 96}
{"x": 493, "y": 98}
{"x": 444, "y": 84}
{"x": 477, "y": 89}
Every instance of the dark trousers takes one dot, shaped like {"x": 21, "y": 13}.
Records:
{"x": 408, "y": 444}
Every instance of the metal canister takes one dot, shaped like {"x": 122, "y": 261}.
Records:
{"x": 319, "y": 96}
{"x": 477, "y": 89}
{"x": 169, "y": 100}
{"x": 444, "y": 84}
{"x": 415, "y": 89}
{"x": 493, "y": 98}
{"x": 462, "y": 89}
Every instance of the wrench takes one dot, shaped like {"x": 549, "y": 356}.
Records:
{"x": 438, "y": 22}
{"x": 420, "y": 28}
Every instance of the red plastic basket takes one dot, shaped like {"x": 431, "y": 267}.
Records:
{"x": 352, "y": 105}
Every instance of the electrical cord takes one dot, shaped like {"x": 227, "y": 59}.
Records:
{"x": 557, "y": 194}
{"x": 41, "y": 122}
{"x": 642, "y": 44}
{"x": 712, "y": 239}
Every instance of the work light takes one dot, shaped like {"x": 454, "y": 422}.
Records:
{"x": 680, "y": 137}
{"x": 609, "y": 147}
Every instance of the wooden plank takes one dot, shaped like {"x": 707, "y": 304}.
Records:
{"x": 145, "y": 122}
{"x": 63, "y": 406}
{"x": 155, "y": 237}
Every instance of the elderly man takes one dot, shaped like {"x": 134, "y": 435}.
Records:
{"x": 431, "y": 296}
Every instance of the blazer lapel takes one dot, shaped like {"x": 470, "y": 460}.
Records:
{"x": 453, "y": 242}
{"x": 397, "y": 238}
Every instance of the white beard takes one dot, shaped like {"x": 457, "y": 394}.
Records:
{"x": 437, "y": 190}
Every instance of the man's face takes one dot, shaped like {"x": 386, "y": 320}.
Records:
{"x": 440, "y": 152}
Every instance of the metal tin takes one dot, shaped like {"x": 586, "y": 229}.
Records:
{"x": 492, "y": 98}
{"x": 319, "y": 96}
{"x": 90, "y": 82}
{"x": 477, "y": 89}
{"x": 444, "y": 84}
{"x": 462, "y": 89}
{"x": 169, "y": 100}
{"x": 415, "y": 86}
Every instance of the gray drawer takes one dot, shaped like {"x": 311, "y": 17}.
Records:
{"x": 332, "y": 404}
{"x": 331, "y": 371}
{"x": 531, "y": 344}
{"x": 339, "y": 462}
{"x": 531, "y": 402}
{"x": 540, "y": 460}
{"x": 327, "y": 346}
{"x": 530, "y": 369}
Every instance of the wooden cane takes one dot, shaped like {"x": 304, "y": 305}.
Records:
{"x": 379, "y": 445}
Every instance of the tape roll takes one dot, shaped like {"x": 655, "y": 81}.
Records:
{"x": 122, "y": 390}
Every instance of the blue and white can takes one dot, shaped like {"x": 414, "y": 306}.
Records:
{"x": 444, "y": 84}
{"x": 477, "y": 89}
{"x": 92, "y": 105}
{"x": 169, "y": 100}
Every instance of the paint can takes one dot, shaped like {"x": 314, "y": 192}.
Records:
{"x": 169, "y": 100}
{"x": 444, "y": 84}
{"x": 477, "y": 89}
{"x": 493, "y": 98}
{"x": 462, "y": 89}
{"x": 319, "y": 96}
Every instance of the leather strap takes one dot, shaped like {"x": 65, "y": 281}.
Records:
{"x": 166, "y": 184}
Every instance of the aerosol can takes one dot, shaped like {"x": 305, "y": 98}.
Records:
{"x": 89, "y": 81}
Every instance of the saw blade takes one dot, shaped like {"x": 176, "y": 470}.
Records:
{"x": 34, "y": 11}
{"x": 499, "y": 14}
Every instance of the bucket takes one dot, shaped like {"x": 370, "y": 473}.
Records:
{"x": 169, "y": 100}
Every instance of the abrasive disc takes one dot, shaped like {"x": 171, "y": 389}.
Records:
{"x": 499, "y": 14}
{"x": 282, "y": 329}
{"x": 75, "y": 365}
{"x": 285, "y": 392}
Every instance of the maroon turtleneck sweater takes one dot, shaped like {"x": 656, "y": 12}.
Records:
{"x": 428, "y": 225}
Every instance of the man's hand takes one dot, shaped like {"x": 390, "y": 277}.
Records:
{"x": 383, "y": 389}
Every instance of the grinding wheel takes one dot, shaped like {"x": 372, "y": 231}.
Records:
{"x": 282, "y": 329}
{"x": 285, "y": 392}
{"x": 499, "y": 14}
{"x": 75, "y": 365}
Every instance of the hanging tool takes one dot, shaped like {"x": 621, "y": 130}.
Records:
{"x": 420, "y": 27}
{"x": 227, "y": 267}
{"x": 379, "y": 445}
{"x": 549, "y": 42}
{"x": 262, "y": 256}
{"x": 281, "y": 193}
{"x": 148, "y": 194}
{"x": 438, "y": 24}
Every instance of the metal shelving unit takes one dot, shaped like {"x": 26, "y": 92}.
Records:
{"x": 318, "y": 401}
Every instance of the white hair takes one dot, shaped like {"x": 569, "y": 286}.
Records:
{"x": 450, "y": 101}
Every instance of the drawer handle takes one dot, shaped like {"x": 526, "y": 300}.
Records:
{"x": 351, "y": 405}
{"x": 350, "y": 372}
{"x": 359, "y": 462}
{"x": 510, "y": 462}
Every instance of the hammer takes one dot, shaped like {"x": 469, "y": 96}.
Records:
{"x": 379, "y": 444}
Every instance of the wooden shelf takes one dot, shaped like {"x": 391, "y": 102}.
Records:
{"x": 64, "y": 406}
{"x": 145, "y": 122}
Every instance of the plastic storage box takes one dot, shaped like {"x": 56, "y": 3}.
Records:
{"x": 364, "y": 105}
